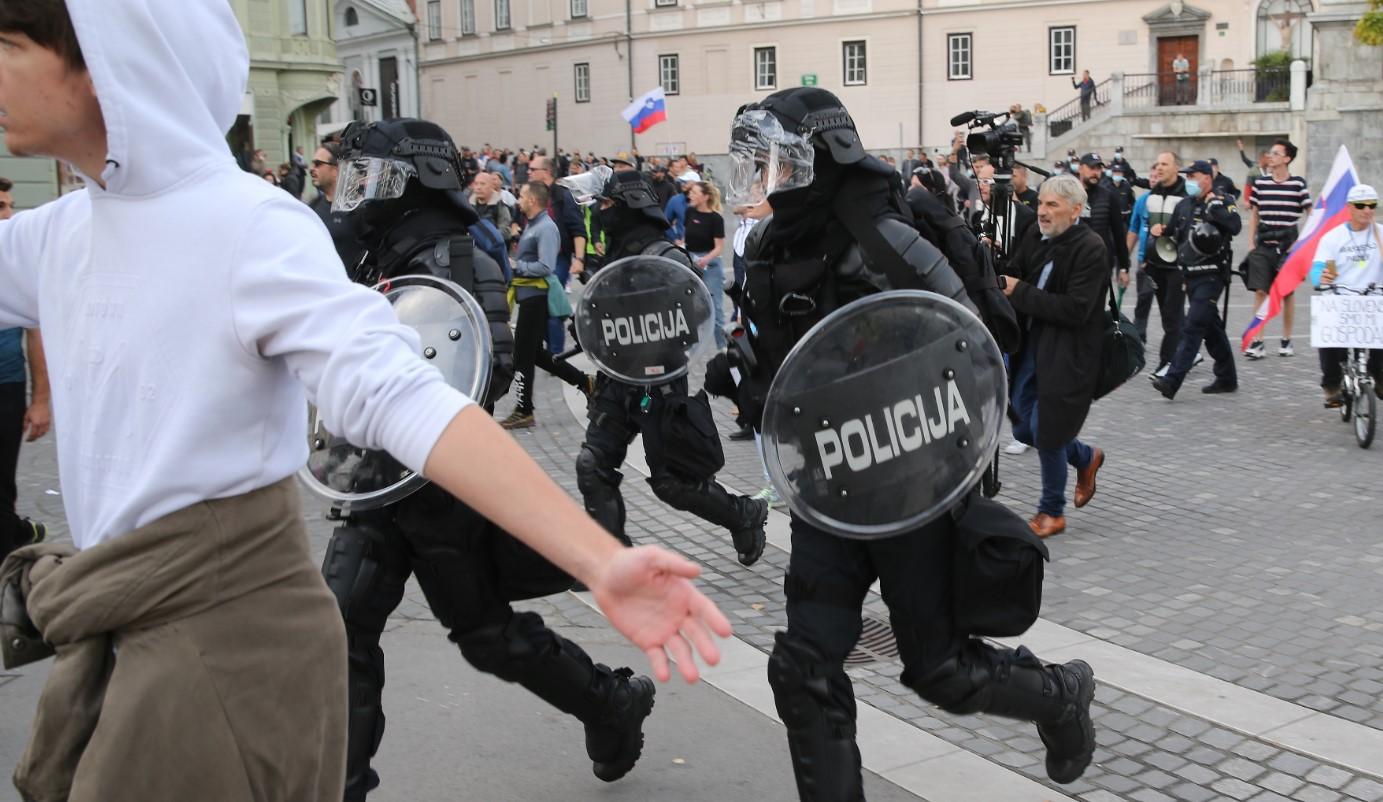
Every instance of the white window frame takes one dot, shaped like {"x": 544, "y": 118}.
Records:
{"x": 580, "y": 9}
{"x": 504, "y": 15}
{"x": 467, "y": 9}
{"x": 1061, "y": 52}
{"x": 434, "y": 20}
{"x": 760, "y": 85}
{"x": 670, "y": 73}
{"x": 862, "y": 79}
{"x": 960, "y": 45}
{"x": 581, "y": 74}
{"x": 664, "y": 3}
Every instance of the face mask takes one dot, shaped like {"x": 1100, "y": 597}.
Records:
{"x": 969, "y": 173}
{"x": 1118, "y": 179}
{"x": 1192, "y": 189}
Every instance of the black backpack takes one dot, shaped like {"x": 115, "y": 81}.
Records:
{"x": 973, "y": 261}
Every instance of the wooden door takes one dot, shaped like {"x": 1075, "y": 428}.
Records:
{"x": 1168, "y": 92}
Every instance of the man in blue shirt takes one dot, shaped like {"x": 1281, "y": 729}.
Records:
{"x": 676, "y": 214}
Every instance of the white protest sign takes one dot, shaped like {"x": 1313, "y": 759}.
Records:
{"x": 1347, "y": 321}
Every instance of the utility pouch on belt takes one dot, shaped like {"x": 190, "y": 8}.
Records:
{"x": 691, "y": 442}
{"x": 20, "y": 642}
{"x": 998, "y": 574}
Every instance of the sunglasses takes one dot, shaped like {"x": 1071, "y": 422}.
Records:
{"x": 320, "y": 163}
{"x": 1365, "y": 204}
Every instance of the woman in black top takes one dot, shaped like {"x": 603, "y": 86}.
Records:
{"x": 705, "y": 238}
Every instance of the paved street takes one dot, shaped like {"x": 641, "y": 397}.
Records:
{"x": 1226, "y": 584}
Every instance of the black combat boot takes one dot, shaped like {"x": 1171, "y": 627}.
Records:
{"x": 614, "y": 740}
{"x": 749, "y": 537}
{"x": 745, "y": 517}
{"x": 1055, "y": 697}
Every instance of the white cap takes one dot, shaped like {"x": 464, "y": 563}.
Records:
{"x": 1361, "y": 192}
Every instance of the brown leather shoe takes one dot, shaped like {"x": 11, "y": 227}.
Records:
{"x": 1085, "y": 479}
{"x": 1044, "y": 525}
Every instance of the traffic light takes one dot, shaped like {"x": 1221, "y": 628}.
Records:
{"x": 552, "y": 114}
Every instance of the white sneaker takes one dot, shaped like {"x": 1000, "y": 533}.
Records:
{"x": 1286, "y": 349}
{"x": 1162, "y": 371}
{"x": 1199, "y": 359}
{"x": 1016, "y": 448}
{"x": 1255, "y": 350}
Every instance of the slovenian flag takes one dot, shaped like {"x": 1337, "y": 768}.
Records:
{"x": 1330, "y": 212}
{"x": 647, "y": 111}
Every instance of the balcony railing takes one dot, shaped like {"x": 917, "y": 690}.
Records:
{"x": 1209, "y": 88}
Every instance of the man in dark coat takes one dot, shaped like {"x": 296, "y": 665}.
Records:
{"x": 1058, "y": 281}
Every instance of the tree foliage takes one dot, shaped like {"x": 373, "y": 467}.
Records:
{"x": 1369, "y": 29}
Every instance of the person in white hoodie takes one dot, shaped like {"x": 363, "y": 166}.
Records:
{"x": 191, "y": 311}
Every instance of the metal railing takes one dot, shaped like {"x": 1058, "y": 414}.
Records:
{"x": 1064, "y": 117}
{"x": 1213, "y": 88}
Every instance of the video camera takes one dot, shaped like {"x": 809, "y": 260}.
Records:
{"x": 1000, "y": 139}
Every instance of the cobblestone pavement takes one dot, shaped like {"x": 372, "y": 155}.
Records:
{"x": 1237, "y": 536}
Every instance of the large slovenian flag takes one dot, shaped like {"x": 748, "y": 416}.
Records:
{"x": 647, "y": 111}
{"x": 1329, "y": 212}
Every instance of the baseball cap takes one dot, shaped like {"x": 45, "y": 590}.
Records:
{"x": 1198, "y": 166}
{"x": 1214, "y": 162}
{"x": 1361, "y": 192}
{"x": 1092, "y": 160}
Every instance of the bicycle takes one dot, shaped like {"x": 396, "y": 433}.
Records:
{"x": 1357, "y": 385}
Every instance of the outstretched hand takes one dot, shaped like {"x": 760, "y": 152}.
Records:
{"x": 647, "y": 594}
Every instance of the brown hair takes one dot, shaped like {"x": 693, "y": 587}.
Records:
{"x": 48, "y": 24}
{"x": 712, "y": 194}
{"x": 539, "y": 192}
{"x": 6, "y": 185}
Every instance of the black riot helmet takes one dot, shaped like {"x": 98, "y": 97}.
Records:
{"x": 1205, "y": 240}
{"x": 774, "y": 144}
{"x": 633, "y": 190}
{"x": 380, "y": 160}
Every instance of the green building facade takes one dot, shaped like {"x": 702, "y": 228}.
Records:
{"x": 294, "y": 76}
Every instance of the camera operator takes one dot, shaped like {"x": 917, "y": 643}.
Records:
{"x": 1102, "y": 211}
{"x": 1203, "y": 227}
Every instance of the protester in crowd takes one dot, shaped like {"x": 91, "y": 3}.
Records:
{"x": 486, "y": 201}
{"x": 663, "y": 186}
{"x": 1057, "y": 284}
{"x": 1349, "y": 256}
{"x": 571, "y": 230}
{"x": 676, "y": 213}
{"x": 324, "y": 173}
{"x": 290, "y": 181}
{"x": 1279, "y": 201}
{"x": 1086, "y": 85}
{"x": 1160, "y": 255}
{"x": 23, "y": 410}
{"x": 1023, "y": 118}
{"x": 705, "y": 240}
{"x": 1022, "y": 192}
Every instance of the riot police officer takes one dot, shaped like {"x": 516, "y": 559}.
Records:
{"x": 401, "y": 180}
{"x": 838, "y": 233}
{"x": 634, "y": 225}
{"x": 1203, "y": 226}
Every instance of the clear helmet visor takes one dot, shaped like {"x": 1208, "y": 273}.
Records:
{"x": 370, "y": 179}
{"x": 587, "y": 187}
{"x": 765, "y": 158}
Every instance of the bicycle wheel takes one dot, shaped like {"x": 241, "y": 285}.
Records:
{"x": 1346, "y": 405}
{"x": 1366, "y": 417}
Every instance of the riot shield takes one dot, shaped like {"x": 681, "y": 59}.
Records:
{"x": 885, "y": 414}
{"x": 456, "y": 339}
{"x": 644, "y": 319}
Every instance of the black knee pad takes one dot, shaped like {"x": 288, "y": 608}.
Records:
{"x": 808, "y": 690}
{"x": 959, "y": 684}
{"x": 594, "y": 476}
{"x": 358, "y": 578}
{"x": 510, "y": 651}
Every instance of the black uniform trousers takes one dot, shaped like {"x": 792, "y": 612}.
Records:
{"x": 829, "y": 577}
{"x": 13, "y": 403}
{"x": 1171, "y": 305}
{"x": 1203, "y": 324}
{"x": 530, "y": 332}
{"x": 468, "y": 570}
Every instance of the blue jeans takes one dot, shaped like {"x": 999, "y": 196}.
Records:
{"x": 1053, "y": 460}
{"x": 714, "y": 276}
{"x": 556, "y": 326}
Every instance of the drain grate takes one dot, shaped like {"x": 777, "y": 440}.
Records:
{"x": 876, "y": 643}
